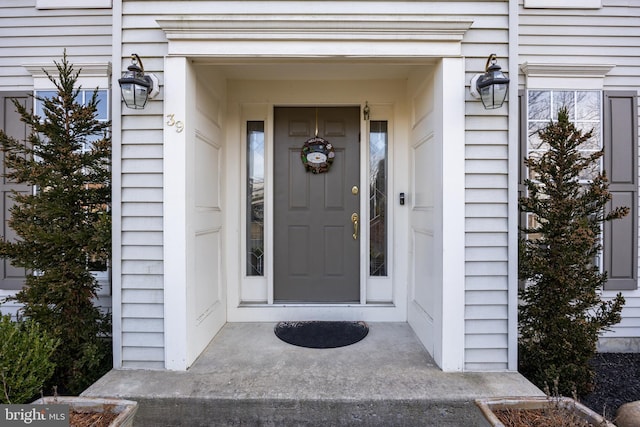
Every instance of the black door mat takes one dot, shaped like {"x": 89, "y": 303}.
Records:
{"x": 317, "y": 334}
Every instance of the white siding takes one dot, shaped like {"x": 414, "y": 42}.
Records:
{"x": 487, "y": 205}
{"x": 486, "y": 175}
{"x": 609, "y": 35}
{"x": 29, "y": 36}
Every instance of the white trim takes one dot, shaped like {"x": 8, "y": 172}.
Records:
{"x": 75, "y": 4}
{"x": 381, "y": 289}
{"x": 116, "y": 192}
{"x": 258, "y": 290}
{"x": 275, "y": 313}
{"x": 92, "y": 75}
{"x": 513, "y": 138}
{"x": 562, "y": 4}
{"x": 175, "y": 213}
{"x": 453, "y": 214}
{"x": 287, "y": 35}
{"x": 565, "y": 75}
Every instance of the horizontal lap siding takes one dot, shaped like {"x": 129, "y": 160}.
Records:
{"x": 142, "y": 278}
{"x": 610, "y": 35}
{"x": 31, "y": 36}
{"x": 28, "y": 36}
{"x": 142, "y": 250}
{"x": 486, "y": 204}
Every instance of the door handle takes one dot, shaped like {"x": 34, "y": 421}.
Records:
{"x": 354, "y": 219}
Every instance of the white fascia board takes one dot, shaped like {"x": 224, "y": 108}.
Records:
{"x": 286, "y": 35}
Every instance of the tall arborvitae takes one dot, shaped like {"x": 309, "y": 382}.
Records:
{"x": 63, "y": 226}
{"x": 562, "y": 313}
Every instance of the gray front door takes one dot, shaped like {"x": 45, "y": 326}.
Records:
{"x": 317, "y": 236}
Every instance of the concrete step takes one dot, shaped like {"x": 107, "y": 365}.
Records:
{"x": 248, "y": 377}
{"x": 273, "y": 412}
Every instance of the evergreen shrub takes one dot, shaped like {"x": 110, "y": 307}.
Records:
{"x": 25, "y": 360}
{"x": 561, "y": 311}
{"x": 63, "y": 226}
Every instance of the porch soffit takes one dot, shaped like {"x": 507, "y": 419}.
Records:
{"x": 267, "y": 34}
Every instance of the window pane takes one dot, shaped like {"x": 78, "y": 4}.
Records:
{"x": 534, "y": 141}
{"x": 378, "y": 148}
{"x": 255, "y": 198}
{"x": 46, "y": 94}
{"x": 564, "y": 99}
{"x": 103, "y": 105}
{"x": 588, "y": 106}
{"x": 539, "y": 105}
{"x": 592, "y": 143}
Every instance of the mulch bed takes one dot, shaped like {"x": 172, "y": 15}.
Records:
{"x": 551, "y": 417}
{"x": 617, "y": 382}
{"x": 91, "y": 419}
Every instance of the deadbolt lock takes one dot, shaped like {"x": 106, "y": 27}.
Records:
{"x": 354, "y": 190}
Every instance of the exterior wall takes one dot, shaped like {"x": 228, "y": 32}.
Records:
{"x": 37, "y": 36}
{"x": 606, "y": 35}
{"x": 29, "y": 35}
{"x": 487, "y": 204}
{"x": 487, "y": 277}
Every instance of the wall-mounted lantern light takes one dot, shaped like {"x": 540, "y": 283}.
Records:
{"x": 492, "y": 86}
{"x": 137, "y": 87}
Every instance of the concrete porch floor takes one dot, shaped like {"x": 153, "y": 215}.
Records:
{"x": 248, "y": 377}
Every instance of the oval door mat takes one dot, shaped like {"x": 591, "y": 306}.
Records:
{"x": 317, "y": 334}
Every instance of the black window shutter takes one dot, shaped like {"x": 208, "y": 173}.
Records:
{"x": 11, "y": 278}
{"x": 620, "y": 135}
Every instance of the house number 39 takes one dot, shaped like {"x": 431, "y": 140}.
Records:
{"x": 173, "y": 122}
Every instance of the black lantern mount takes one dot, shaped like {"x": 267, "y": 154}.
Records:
{"x": 491, "y": 87}
{"x": 136, "y": 86}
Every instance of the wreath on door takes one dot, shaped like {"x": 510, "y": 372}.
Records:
{"x": 317, "y": 155}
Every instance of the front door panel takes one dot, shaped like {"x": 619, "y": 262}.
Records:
{"x": 317, "y": 240}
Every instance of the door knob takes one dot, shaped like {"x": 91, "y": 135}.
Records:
{"x": 354, "y": 219}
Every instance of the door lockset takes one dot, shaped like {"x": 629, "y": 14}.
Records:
{"x": 355, "y": 219}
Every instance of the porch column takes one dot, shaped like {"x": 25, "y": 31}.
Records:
{"x": 179, "y": 90}
{"x": 450, "y": 355}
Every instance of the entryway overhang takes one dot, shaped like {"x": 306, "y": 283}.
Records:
{"x": 193, "y": 315}
{"x": 318, "y": 35}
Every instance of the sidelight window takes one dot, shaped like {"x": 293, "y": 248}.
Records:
{"x": 378, "y": 209}
{"x": 255, "y": 198}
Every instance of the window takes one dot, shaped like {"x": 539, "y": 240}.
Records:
{"x": 255, "y": 198}
{"x": 99, "y": 269}
{"x": 378, "y": 148}
{"x": 584, "y": 108}
{"x": 84, "y": 96}
{"x": 613, "y": 118}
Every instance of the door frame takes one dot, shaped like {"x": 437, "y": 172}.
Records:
{"x": 269, "y": 192}
{"x": 381, "y": 298}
